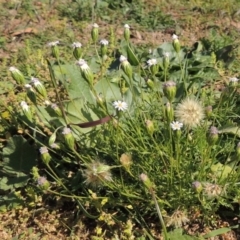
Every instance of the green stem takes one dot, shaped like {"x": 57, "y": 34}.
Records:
{"x": 159, "y": 214}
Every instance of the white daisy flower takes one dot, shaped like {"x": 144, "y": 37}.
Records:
{"x": 24, "y": 106}
{"x": 122, "y": 58}
{"x": 76, "y": 45}
{"x": 104, "y": 42}
{"x": 152, "y": 62}
{"x": 176, "y": 125}
{"x": 174, "y": 37}
{"x": 52, "y": 44}
{"x": 82, "y": 64}
{"x": 95, "y": 25}
{"x": 13, "y": 69}
{"x": 166, "y": 54}
{"x": 120, "y": 105}
{"x": 233, "y": 79}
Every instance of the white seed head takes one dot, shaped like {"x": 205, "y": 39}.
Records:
{"x": 178, "y": 219}
{"x": 95, "y": 25}
{"x": 97, "y": 173}
{"x": 189, "y": 112}
{"x": 126, "y": 26}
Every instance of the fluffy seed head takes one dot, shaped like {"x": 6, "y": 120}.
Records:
{"x": 97, "y": 173}
{"x": 190, "y": 112}
{"x": 178, "y": 219}
{"x": 212, "y": 191}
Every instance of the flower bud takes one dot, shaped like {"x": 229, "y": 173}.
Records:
{"x": 45, "y": 156}
{"x": 197, "y": 186}
{"x": 176, "y": 44}
{"x": 143, "y": 177}
{"x": 17, "y": 75}
{"x": 35, "y": 173}
{"x": 27, "y": 112}
{"x": 39, "y": 87}
{"x": 122, "y": 86}
{"x": 169, "y": 89}
{"x": 127, "y": 68}
{"x": 77, "y": 51}
{"x": 30, "y": 93}
{"x": 152, "y": 63}
{"x": 104, "y": 47}
{"x": 150, "y": 126}
{"x": 85, "y": 71}
{"x": 127, "y": 32}
{"x": 150, "y": 84}
{"x": 56, "y": 109}
{"x": 68, "y": 137}
{"x": 233, "y": 82}
{"x": 238, "y": 150}
{"x": 43, "y": 183}
{"x": 54, "y": 48}
{"x": 126, "y": 161}
{"x": 52, "y": 139}
{"x": 166, "y": 61}
{"x": 94, "y": 32}
{"x": 213, "y": 135}
{"x": 208, "y": 111}
{"x": 169, "y": 112}
{"x": 55, "y": 146}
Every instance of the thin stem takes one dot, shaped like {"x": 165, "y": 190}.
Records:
{"x": 159, "y": 214}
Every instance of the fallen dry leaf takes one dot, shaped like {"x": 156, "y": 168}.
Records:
{"x": 25, "y": 31}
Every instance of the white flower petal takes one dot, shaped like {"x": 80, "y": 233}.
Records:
{"x": 120, "y": 105}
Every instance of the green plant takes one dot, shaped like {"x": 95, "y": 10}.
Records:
{"x": 123, "y": 111}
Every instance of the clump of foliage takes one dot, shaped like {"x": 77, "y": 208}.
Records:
{"x": 126, "y": 135}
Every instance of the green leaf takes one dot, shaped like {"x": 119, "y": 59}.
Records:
{"x": 18, "y": 159}
{"x": 10, "y": 201}
{"x": 217, "y": 232}
{"x": 18, "y": 156}
{"x": 108, "y": 89}
{"x": 230, "y": 129}
{"x": 78, "y": 112}
{"x": 77, "y": 86}
{"x": 222, "y": 171}
{"x": 132, "y": 58}
{"x": 177, "y": 234}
